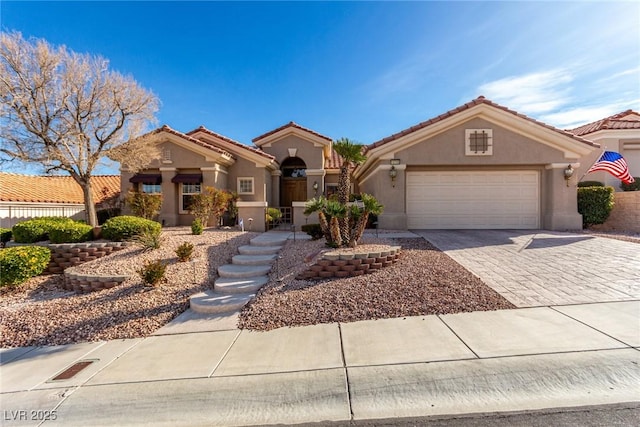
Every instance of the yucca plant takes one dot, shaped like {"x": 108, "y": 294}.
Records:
{"x": 318, "y": 205}
{"x": 148, "y": 239}
{"x": 336, "y": 211}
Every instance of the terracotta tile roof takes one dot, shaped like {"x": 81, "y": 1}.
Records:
{"x": 54, "y": 189}
{"x": 204, "y": 144}
{"x": 479, "y": 100}
{"x": 617, "y": 121}
{"x": 290, "y": 125}
{"x": 231, "y": 141}
{"x": 334, "y": 161}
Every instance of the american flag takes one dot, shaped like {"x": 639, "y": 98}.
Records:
{"x": 615, "y": 164}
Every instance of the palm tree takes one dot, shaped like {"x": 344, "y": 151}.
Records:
{"x": 351, "y": 154}
{"x": 370, "y": 206}
{"x": 337, "y": 211}
{"x": 318, "y": 205}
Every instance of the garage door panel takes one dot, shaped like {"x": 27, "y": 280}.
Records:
{"x": 495, "y": 199}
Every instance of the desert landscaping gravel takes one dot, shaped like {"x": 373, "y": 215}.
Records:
{"x": 41, "y": 312}
{"x": 423, "y": 281}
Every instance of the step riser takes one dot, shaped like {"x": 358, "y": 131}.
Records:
{"x": 244, "y": 261}
{"x": 211, "y": 302}
{"x": 262, "y": 243}
{"x": 258, "y": 250}
{"x": 228, "y": 290}
{"x": 216, "y": 308}
{"x": 251, "y": 272}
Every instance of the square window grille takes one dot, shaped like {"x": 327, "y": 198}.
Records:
{"x": 478, "y": 142}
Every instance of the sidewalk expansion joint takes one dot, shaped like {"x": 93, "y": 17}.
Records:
{"x": 591, "y": 327}
{"x": 346, "y": 372}
{"x": 457, "y": 336}
{"x": 225, "y": 353}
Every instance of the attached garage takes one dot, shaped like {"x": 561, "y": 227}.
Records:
{"x": 473, "y": 199}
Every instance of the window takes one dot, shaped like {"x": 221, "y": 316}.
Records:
{"x": 166, "y": 156}
{"x": 151, "y": 188}
{"x": 330, "y": 190}
{"x": 187, "y": 191}
{"x": 245, "y": 185}
{"x": 479, "y": 142}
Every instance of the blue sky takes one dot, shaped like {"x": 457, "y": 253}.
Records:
{"x": 362, "y": 70}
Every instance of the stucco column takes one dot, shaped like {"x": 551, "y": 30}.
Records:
{"x": 254, "y": 211}
{"x": 391, "y": 194}
{"x": 561, "y": 198}
{"x": 275, "y": 188}
{"x": 315, "y": 176}
{"x": 169, "y": 210}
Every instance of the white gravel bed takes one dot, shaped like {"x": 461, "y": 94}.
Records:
{"x": 41, "y": 312}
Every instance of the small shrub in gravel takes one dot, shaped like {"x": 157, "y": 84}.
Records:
{"x": 153, "y": 272}
{"x": 196, "y": 227}
{"x": 125, "y": 227}
{"x": 70, "y": 232}
{"x": 313, "y": 230}
{"x": 149, "y": 240}
{"x": 5, "y": 235}
{"x": 37, "y": 229}
{"x": 184, "y": 252}
{"x": 21, "y": 263}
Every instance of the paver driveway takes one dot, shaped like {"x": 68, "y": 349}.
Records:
{"x": 540, "y": 268}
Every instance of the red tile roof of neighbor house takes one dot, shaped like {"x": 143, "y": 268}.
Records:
{"x": 292, "y": 125}
{"x": 617, "y": 121}
{"x": 478, "y": 101}
{"x": 204, "y": 144}
{"x": 54, "y": 189}
{"x": 334, "y": 161}
{"x": 231, "y": 141}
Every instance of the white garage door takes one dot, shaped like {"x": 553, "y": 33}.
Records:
{"x": 473, "y": 199}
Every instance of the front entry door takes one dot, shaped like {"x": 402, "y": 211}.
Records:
{"x": 293, "y": 190}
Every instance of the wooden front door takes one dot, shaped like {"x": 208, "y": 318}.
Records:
{"x": 293, "y": 190}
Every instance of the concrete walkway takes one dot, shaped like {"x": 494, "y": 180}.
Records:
{"x": 543, "y": 268}
{"x": 510, "y": 360}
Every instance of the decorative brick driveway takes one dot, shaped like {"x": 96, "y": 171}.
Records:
{"x": 541, "y": 268}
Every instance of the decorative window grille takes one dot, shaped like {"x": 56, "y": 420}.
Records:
{"x": 479, "y": 142}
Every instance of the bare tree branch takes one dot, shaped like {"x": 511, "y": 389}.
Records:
{"x": 67, "y": 111}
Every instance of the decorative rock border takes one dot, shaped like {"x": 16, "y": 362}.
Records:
{"x": 65, "y": 255}
{"x": 336, "y": 264}
{"x": 83, "y": 283}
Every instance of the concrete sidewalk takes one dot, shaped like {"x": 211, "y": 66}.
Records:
{"x": 510, "y": 360}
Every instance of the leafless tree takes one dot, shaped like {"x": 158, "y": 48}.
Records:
{"x": 68, "y": 112}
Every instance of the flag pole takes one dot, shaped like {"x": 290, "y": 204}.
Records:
{"x": 596, "y": 161}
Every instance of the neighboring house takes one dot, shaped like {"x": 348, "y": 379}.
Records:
{"x": 620, "y": 133}
{"x": 28, "y": 196}
{"x": 480, "y": 165}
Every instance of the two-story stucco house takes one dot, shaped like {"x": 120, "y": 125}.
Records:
{"x": 480, "y": 165}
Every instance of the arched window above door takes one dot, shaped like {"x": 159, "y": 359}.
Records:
{"x": 294, "y": 167}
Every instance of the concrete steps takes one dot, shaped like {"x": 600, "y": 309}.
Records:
{"x": 239, "y": 281}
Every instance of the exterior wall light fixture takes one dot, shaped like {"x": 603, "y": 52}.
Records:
{"x": 393, "y": 172}
{"x": 568, "y": 173}
{"x": 315, "y": 188}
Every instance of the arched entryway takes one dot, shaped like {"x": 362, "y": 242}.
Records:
{"x": 293, "y": 183}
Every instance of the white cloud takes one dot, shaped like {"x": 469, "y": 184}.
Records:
{"x": 535, "y": 93}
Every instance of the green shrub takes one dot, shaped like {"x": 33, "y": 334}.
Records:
{"x": 36, "y": 229}
{"x": 634, "y": 186}
{"x": 590, "y": 184}
{"x": 19, "y": 263}
{"x": 184, "y": 252}
{"x": 71, "y": 232}
{"x": 313, "y": 230}
{"x": 153, "y": 272}
{"x": 149, "y": 240}
{"x": 125, "y": 227}
{"x": 273, "y": 214}
{"x": 5, "y": 235}
{"x": 196, "y": 227}
{"x": 595, "y": 204}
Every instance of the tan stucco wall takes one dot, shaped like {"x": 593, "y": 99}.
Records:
{"x": 312, "y": 155}
{"x": 446, "y": 151}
